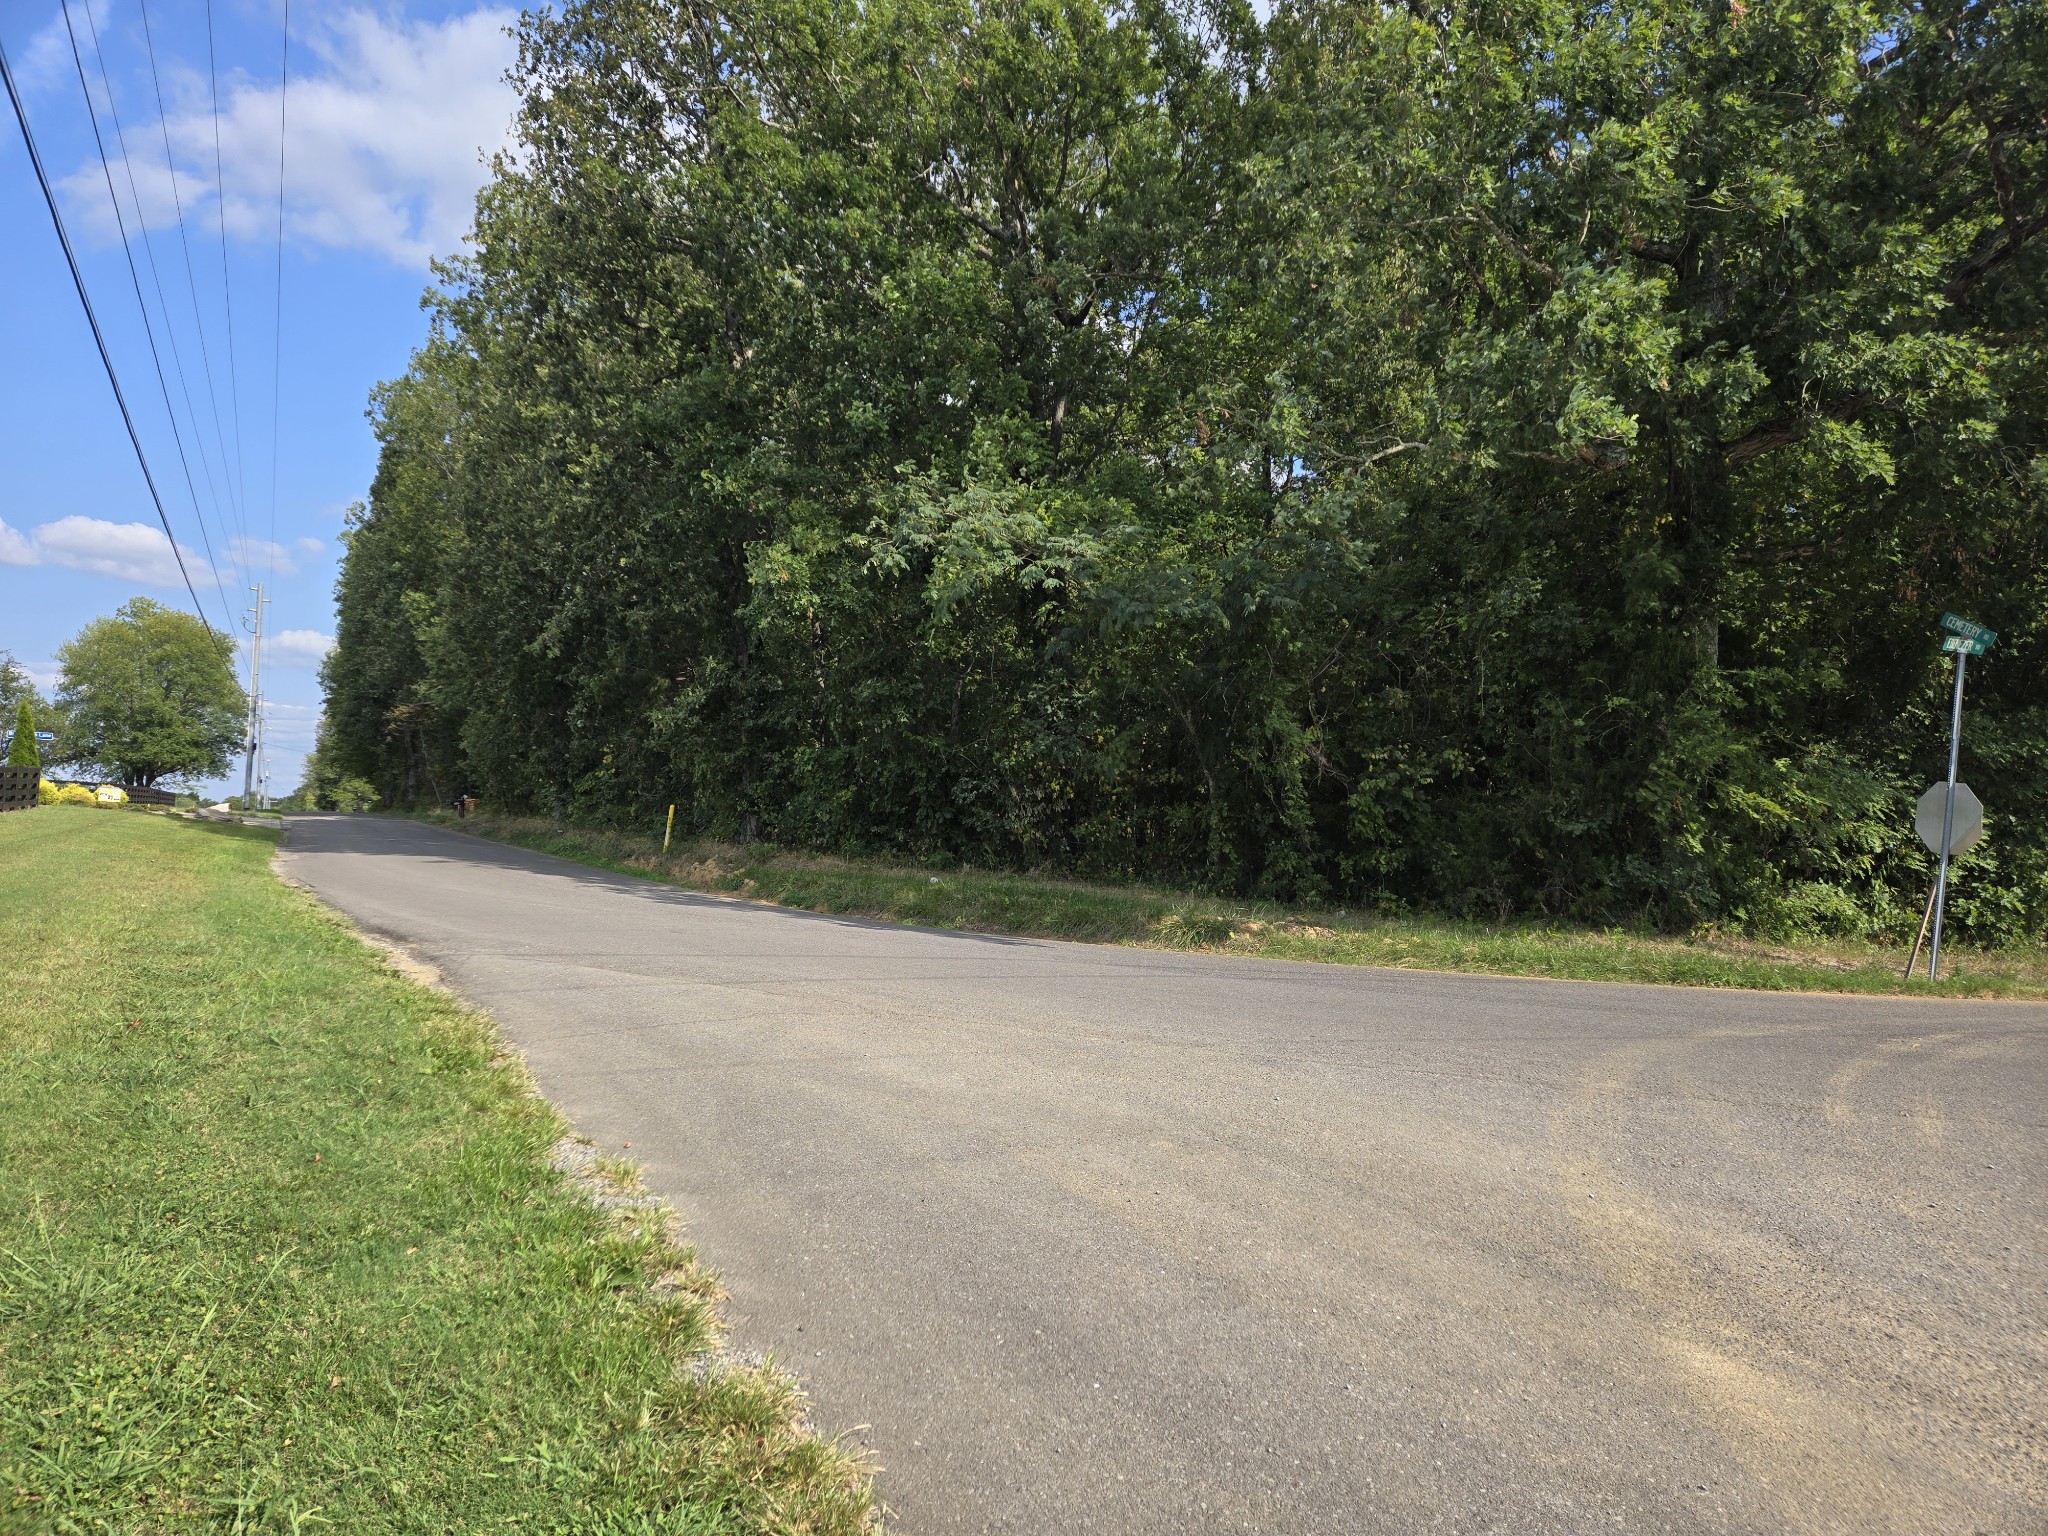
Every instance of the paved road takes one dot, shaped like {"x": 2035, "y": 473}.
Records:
{"x": 1096, "y": 1239}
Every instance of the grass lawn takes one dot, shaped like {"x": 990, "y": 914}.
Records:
{"x": 1063, "y": 909}
{"x": 281, "y": 1247}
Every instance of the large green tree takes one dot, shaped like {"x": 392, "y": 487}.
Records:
{"x": 1505, "y": 457}
{"x": 149, "y": 693}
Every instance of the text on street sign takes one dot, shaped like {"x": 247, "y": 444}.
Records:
{"x": 1969, "y": 629}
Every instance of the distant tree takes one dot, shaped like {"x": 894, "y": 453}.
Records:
{"x": 16, "y": 685}
{"x": 349, "y": 795}
{"x": 22, "y": 753}
{"x": 149, "y": 693}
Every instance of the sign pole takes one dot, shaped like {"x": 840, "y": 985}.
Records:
{"x": 1948, "y": 820}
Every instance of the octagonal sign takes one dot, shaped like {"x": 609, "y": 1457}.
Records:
{"x": 1969, "y": 823}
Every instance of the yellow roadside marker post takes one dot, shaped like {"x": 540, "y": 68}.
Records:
{"x": 669, "y": 830}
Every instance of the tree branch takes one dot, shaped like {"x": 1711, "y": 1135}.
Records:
{"x": 1662, "y": 251}
{"x": 1521, "y": 254}
{"x": 2012, "y": 237}
{"x": 1751, "y": 445}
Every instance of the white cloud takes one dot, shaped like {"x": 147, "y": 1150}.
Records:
{"x": 262, "y": 556}
{"x": 139, "y": 182}
{"x": 386, "y": 140}
{"x": 134, "y": 552}
{"x": 45, "y": 64}
{"x": 139, "y": 552}
{"x": 292, "y": 727}
{"x": 299, "y": 647}
{"x": 15, "y": 548}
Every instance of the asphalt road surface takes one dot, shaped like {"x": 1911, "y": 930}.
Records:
{"x": 1082, "y": 1238}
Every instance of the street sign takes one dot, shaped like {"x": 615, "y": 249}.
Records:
{"x": 40, "y": 736}
{"x": 1955, "y": 624}
{"x": 1965, "y": 644}
{"x": 1969, "y": 823}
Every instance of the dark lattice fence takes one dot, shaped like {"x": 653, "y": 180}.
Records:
{"x": 18, "y": 788}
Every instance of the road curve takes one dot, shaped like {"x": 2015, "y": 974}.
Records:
{"x": 1081, "y": 1238}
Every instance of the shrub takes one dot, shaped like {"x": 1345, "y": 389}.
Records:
{"x": 74, "y": 794}
{"x": 46, "y": 792}
{"x": 23, "y": 754}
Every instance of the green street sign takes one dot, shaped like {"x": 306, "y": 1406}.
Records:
{"x": 1965, "y": 645}
{"x": 1955, "y": 624}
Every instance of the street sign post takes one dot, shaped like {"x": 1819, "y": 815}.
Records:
{"x": 1966, "y": 638}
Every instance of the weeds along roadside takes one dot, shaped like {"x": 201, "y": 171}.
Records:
{"x": 1040, "y": 907}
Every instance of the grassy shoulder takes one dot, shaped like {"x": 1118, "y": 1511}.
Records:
{"x": 1040, "y": 907}
{"x": 282, "y": 1247}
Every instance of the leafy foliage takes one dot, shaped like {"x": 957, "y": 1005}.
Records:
{"x": 149, "y": 693}
{"x": 15, "y": 685}
{"x": 1501, "y": 458}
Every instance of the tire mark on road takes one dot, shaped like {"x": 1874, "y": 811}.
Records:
{"x": 1831, "y": 1460}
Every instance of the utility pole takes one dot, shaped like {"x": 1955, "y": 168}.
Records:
{"x": 255, "y": 700}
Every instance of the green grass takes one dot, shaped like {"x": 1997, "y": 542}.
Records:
{"x": 281, "y": 1248}
{"x": 1041, "y": 907}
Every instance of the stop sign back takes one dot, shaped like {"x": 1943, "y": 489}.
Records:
{"x": 1969, "y": 822}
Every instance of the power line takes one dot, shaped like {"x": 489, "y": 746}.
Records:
{"x": 35, "y": 161}
{"x": 258, "y": 726}
{"x": 185, "y": 245}
{"x": 284, "y": 86}
{"x": 135, "y": 277}
{"x": 155, "y": 277}
{"x": 227, "y": 297}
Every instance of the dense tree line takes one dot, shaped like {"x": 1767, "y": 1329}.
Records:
{"x": 1507, "y": 456}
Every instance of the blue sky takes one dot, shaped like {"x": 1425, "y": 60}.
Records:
{"x": 389, "y": 114}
